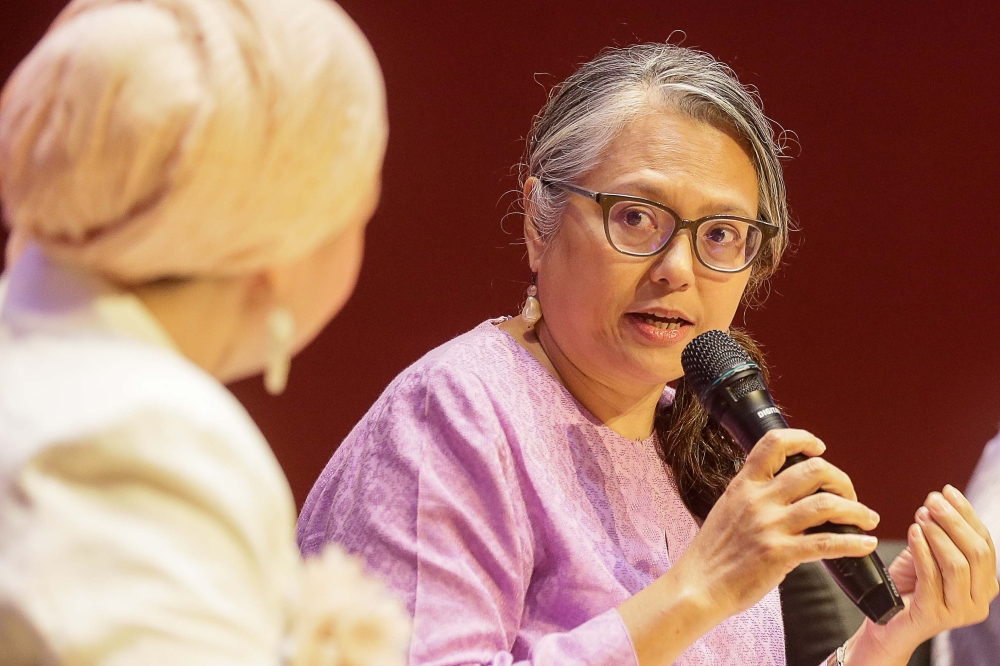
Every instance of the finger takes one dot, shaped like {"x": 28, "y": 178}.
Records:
{"x": 929, "y": 581}
{"x": 826, "y": 507}
{"x": 955, "y": 569}
{"x": 976, "y": 549}
{"x": 831, "y": 546}
{"x": 903, "y": 571}
{"x": 809, "y": 476}
{"x": 964, "y": 507}
{"x": 770, "y": 453}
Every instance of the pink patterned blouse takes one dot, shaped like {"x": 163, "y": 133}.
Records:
{"x": 509, "y": 519}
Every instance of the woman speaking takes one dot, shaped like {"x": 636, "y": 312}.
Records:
{"x": 187, "y": 184}
{"x": 535, "y": 491}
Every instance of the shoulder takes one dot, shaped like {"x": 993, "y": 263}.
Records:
{"x": 445, "y": 417}
{"x": 130, "y": 428}
{"x": 56, "y": 389}
{"x": 125, "y": 467}
{"x": 471, "y": 374}
{"x": 152, "y": 505}
{"x": 484, "y": 354}
{"x": 454, "y": 402}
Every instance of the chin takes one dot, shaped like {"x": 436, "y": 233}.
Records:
{"x": 653, "y": 367}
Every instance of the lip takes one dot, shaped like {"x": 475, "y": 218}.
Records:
{"x": 666, "y": 313}
{"x": 658, "y": 336}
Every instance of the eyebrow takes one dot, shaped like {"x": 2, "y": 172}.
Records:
{"x": 653, "y": 193}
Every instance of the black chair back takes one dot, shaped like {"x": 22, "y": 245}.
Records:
{"x": 818, "y": 617}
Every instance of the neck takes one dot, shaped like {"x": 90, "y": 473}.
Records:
{"x": 628, "y": 410}
{"x": 200, "y": 317}
{"x": 203, "y": 317}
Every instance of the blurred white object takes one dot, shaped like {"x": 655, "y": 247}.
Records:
{"x": 344, "y": 618}
{"x": 143, "y": 518}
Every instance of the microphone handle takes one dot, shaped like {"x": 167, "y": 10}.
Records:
{"x": 865, "y": 580}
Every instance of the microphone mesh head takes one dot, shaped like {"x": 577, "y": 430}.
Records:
{"x": 710, "y": 355}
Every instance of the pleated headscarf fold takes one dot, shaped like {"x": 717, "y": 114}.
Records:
{"x": 175, "y": 138}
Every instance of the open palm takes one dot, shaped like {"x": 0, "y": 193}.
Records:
{"x": 946, "y": 576}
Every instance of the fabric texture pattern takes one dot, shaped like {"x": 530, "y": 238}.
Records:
{"x": 509, "y": 519}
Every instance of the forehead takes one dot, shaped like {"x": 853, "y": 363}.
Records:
{"x": 679, "y": 157}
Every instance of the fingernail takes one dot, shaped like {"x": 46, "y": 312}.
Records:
{"x": 869, "y": 541}
{"x": 923, "y": 513}
{"x": 874, "y": 516}
{"x": 952, "y": 491}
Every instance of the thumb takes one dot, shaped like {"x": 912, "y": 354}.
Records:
{"x": 903, "y": 572}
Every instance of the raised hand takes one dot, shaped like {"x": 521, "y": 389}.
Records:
{"x": 752, "y": 537}
{"x": 947, "y": 576}
{"x": 755, "y": 534}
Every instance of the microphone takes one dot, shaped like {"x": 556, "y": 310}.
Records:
{"x": 731, "y": 388}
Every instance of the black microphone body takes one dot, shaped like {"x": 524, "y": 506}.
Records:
{"x": 732, "y": 390}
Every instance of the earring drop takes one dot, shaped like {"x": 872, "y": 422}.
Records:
{"x": 280, "y": 335}
{"x": 532, "y": 310}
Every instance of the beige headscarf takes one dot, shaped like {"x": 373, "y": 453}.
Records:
{"x": 153, "y": 138}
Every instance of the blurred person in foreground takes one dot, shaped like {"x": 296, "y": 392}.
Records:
{"x": 536, "y": 491}
{"x": 979, "y": 644}
{"x": 187, "y": 183}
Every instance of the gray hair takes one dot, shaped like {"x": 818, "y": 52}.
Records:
{"x": 588, "y": 110}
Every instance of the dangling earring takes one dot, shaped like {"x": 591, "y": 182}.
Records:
{"x": 280, "y": 334}
{"x": 532, "y": 310}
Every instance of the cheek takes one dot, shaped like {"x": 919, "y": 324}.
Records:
{"x": 328, "y": 284}
{"x": 584, "y": 287}
{"x": 342, "y": 279}
{"x": 720, "y": 301}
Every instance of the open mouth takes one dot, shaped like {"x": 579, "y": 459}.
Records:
{"x": 660, "y": 322}
{"x": 659, "y": 328}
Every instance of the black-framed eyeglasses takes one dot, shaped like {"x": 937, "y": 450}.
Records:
{"x": 641, "y": 228}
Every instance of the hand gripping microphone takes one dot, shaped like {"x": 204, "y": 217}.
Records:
{"x": 732, "y": 390}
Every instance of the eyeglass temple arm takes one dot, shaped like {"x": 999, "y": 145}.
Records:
{"x": 569, "y": 187}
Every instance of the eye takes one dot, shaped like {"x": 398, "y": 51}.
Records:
{"x": 635, "y": 217}
{"x": 634, "y": 227}
{"x": 722, "y": 233}
{"x": 728, "y": 244}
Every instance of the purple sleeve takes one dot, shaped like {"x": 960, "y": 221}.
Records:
{"x": 452, "y": 535}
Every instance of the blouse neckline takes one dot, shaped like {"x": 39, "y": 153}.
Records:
{"x": 539, "y": 370}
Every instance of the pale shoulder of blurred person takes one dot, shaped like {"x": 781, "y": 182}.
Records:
{"x": 979, "y": 644}
{"x": 187, "y": 184}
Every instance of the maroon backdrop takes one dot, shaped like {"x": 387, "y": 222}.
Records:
{"x": 882, "y": 327}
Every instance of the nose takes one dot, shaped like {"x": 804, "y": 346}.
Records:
{"x": 675, "y": 265}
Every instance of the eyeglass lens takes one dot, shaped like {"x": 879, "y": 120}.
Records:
{"x": 724, "y": 243}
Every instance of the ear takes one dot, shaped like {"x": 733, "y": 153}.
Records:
{"x": 267, "y": 287}
{"x": 532, "y": 238}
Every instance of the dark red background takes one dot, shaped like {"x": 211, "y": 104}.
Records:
{"x": 882, "y": 328}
